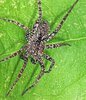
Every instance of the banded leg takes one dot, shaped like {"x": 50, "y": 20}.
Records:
{"x": 19, "y": 76}
{"x": 40, "y": 10}
{"x": 16, "y": 23}
{"x": 52, "y": 62}
{"x": 37, "y": 79}
{"x": 50, "y": 46}
{"x": 51, "y": 35}
{"x": 33, "y": 61}
{"x": 35, "y": 27}
{"x": 11, "y": 56}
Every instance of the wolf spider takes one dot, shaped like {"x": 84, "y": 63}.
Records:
{"x": 36, "y": 43}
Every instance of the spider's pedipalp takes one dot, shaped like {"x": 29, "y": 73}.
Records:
{"x": 11, "y": 56}
{"x": 35, "y": 27}
{"x": 19, "y": 75}
{"x": 16, "y": 23}
{"x": 27, "y": 35}
{"x": 50, "y": 46}
{"x": 51, "y": 35}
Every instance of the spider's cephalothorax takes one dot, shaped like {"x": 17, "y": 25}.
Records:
{"x": 36, "y": 43}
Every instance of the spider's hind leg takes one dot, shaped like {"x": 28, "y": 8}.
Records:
{"x": 19, "y": 75}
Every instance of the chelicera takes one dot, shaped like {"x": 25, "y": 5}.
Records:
{"x": 36, "y": 43}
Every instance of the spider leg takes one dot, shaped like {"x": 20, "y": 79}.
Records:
{"x": 40, "y": 11}
{"x": 51, "y": 60}
{"x": 37, "y": 79}
{"x": 51, "y": 35}
{"x": 19, "y": 75}
{"x": 11, "y": 56}
{"x": 22, "y": 56}
{"x": 35, "y": 27}
{"x": 27, "y": 35}
{"x": 33, "y": 61}
{"x": 16, "y": 23}
{"x": 50, "y": 46}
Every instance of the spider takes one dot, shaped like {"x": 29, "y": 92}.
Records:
{"x": 36, "y": 44}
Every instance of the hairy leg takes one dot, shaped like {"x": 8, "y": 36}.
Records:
{"x": 11, "y": 56}
{"x": 19, "y": 75}
{"x": 39, "y": 20}
{"x": 19, "y": 52}
{"x": 40, "y": 10}
{"x": 50, "y": 46}
{"x": 51, "y": 60}
{"x": 51, "y": 35}
{"x": 16, "y": 23}
{"x": 33, "y": 61}
{"x": 35, "y": 27}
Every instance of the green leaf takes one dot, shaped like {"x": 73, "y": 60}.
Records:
{"x": 67, "y": 80}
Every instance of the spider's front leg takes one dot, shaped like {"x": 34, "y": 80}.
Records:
{"x": 16, "y": 23}
{"x": 51, "y": 46}
{"x": 36, "y": 25}
{"x": 51, "y": 35}
{"x": 40, "y": 10}
{"x": 19, "y": 75}
{"x": 38, "y": 77}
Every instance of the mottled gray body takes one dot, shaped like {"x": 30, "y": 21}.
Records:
{"x": 36, "y": 44}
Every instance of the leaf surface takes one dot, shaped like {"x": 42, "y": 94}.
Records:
{"x": 67, "y": 80}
